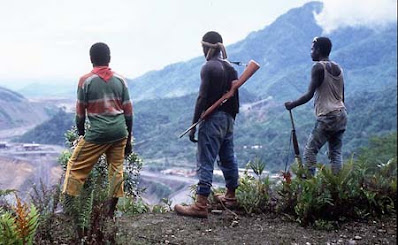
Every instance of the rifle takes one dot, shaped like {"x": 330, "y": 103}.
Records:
{"x": 295, "y": 142}
{"x": 251, "y": 68}
{"x": 238, "y": 63}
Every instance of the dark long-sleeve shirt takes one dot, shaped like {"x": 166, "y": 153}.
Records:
{"x": 216, "y": 77}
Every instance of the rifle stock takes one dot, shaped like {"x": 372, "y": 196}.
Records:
{"x": 251, "y": 68}
{"x": 295, "y": 142}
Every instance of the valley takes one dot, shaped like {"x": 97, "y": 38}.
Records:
{"x": 63, "y": 60}
{"x": 163, "y": 108}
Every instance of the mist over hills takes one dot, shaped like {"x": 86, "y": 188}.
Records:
{"x": 164, "y": 100}
{"x": 55, "y": 90}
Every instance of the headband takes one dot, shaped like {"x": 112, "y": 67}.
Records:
{"x": 212, "y": 47}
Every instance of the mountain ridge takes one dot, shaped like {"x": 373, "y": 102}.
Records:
{"x": 283, "y": 51}
{"x": 368, "y": 58}
{"x": 17, "y": 111}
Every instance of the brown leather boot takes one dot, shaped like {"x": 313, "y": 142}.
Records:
{"x": 198, "y": 209}
{"x": 228, "y": 199}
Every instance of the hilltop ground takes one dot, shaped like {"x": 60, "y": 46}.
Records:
{"x": 170, "y": 228}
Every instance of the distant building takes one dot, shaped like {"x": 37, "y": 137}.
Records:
{"x": 31, "y": 147}
{"x": 3, "y": 145}
{"x": 180, "y": 172}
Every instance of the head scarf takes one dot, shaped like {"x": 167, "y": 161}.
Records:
{"x": 213, "y": 47}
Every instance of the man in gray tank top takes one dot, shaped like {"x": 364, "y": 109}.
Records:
{"x": 327, "y": 88}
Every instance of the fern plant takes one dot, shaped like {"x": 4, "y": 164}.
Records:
{"x": 253, "y": 193}
{"x": 20, "y": 226}
{"x": 89, "y": 209}
{"x": 26, "y": 221}
{"x": 6, "y": 192}
{"x": 8, "y": 229}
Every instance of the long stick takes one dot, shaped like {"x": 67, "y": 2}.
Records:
{"x": 251, "y": 68}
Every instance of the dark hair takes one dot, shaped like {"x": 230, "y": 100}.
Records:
{"x": 212, "y": 37}
{"x": 324, "y": 44}
{"x": 100, "y": 54}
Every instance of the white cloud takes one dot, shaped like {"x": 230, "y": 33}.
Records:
{"x": 343, "y": 13}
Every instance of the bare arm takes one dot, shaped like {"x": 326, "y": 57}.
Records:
{"x": 203, "y": 94}
{"x": 201, "y": 100}
{"x": 317, "y": 74}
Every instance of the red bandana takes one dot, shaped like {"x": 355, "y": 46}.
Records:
{"x": 103, "y": 72}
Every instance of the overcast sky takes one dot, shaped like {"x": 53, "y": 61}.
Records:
{"x": 46, "y": 40}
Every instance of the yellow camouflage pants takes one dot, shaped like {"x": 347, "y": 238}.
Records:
{"x": 82, "y": 161}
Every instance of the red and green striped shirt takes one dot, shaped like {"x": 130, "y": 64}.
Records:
{"x": 103, "y": 96}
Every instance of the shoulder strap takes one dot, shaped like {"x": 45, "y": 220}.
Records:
{"x": 226, "y": 77}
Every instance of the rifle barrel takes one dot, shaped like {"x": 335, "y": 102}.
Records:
{"x": 191, "y": 127}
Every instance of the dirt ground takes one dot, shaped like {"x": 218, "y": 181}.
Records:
{"x": 228, "y": 229}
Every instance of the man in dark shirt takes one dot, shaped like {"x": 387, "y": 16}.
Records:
{"x": 327, "y": 88}
{"x": 215, "y": 135}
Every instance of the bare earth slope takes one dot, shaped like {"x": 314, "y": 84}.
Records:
{"x": 260, "y": 229}
{"x": 18, "y": 112}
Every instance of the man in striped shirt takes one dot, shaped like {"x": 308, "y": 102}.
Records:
{"x": 102, "y": 96}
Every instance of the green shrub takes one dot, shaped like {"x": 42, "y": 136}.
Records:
{"x": 163, "y": 207}
{"x": 254, "y": 191}
{"x": 356, "y": 192}
{"x": 364, "y": 187}
{"x": 46, "y": 201}
{"x": 131, "y": 206}
{"x": 88, "y": 210}
{"x": 19, "y": 225}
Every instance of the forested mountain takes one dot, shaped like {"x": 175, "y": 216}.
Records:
{"x": 261, "y": 130}
{"x": 164, "y": 100}
{"x": 51, "y": 131}
{"x": 368, "y": 57}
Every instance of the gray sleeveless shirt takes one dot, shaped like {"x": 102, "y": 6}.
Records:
{"x": 329, "y": 96}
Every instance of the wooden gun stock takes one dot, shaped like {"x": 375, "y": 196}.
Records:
{"x": 295, "y": 142}
{"x": 251, "y": 68}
